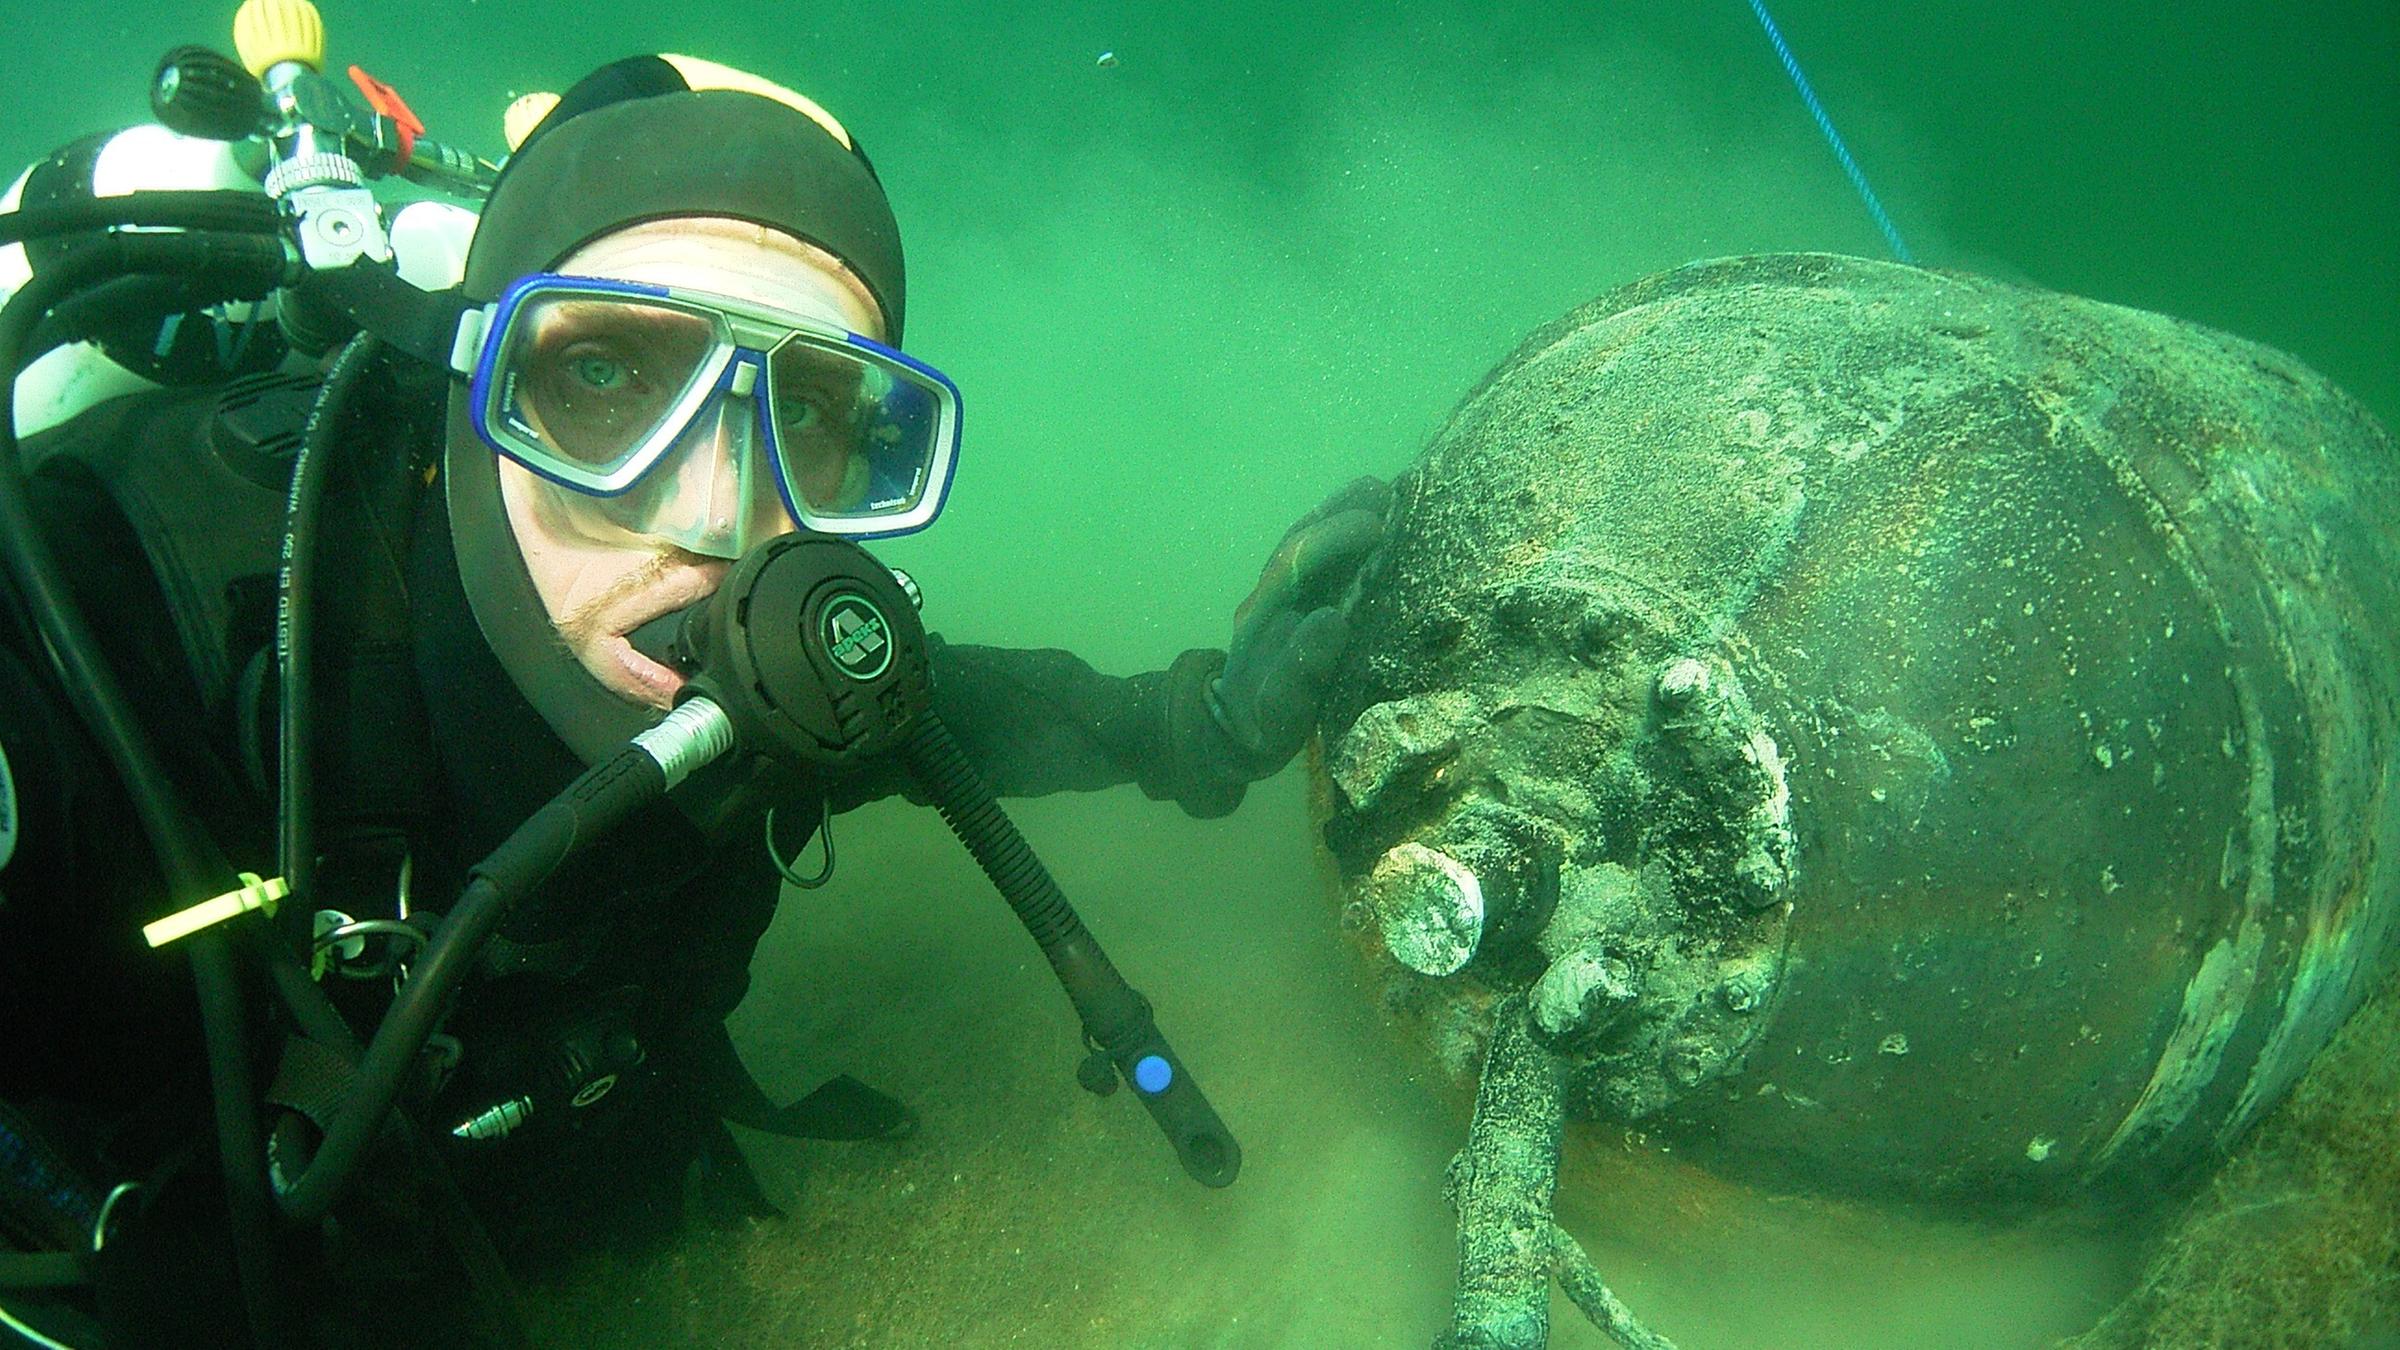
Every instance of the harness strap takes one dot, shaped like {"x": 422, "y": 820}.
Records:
{"x": 311, "y": 1080}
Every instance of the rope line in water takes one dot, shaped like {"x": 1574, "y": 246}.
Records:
{"x": 1816, "y": 109}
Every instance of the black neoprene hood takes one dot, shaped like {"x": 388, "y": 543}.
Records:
{"x": 714, "y": 152}
{"x": 632, "y": 143}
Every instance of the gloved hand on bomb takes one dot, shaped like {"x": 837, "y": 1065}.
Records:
{"x": 1288, "y": 635}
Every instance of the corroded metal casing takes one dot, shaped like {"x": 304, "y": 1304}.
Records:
{"x": 1961, "y": 717}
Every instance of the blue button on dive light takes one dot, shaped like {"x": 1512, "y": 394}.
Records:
{"x": 1152, "y": 1074}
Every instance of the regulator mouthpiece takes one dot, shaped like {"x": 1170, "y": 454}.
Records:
{"x": 673, "y": 639}
{"x": 811, "y": 646}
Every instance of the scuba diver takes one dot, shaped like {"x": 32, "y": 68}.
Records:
{"x": 386, "y": 598}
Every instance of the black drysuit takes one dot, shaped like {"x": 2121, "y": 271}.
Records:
{"x": 651, "y": 931}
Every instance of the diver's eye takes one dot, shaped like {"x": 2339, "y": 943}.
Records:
{"x": 800, "y": 415}
{"x": 602, "y": 374}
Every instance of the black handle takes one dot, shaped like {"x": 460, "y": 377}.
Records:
{"x": 1208, "y": 1150}
{"x": 198, "y": 92}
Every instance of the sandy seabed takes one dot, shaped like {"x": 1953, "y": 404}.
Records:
{"x": 1028, "y": 1213}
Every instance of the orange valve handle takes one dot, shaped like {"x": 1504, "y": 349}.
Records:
{"x": 386, "y": 101}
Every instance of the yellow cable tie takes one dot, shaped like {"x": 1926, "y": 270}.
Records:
{"x": 254, "y": 894}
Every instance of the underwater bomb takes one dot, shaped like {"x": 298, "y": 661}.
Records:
{"x": 1897, "y": 733}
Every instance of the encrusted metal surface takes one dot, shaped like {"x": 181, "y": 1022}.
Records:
{"x": 1907, "y": 733}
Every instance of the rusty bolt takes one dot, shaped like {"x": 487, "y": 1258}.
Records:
{"x": 1582, "y": 993}
{"x": 1743, "y": 992}
{"x": 1430, "y": 907}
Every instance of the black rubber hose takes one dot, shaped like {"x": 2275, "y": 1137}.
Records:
{"x": 241, "y": 1141}
{"x": 220, "y": 211}
{"x": 1115, "y": 1018}
{"x": 248, "y": 268}
{"x": 94, "y": 311}
{"x": 295, "y": 631}
{"x": 591, "y": 806}
{"x": 296, "y": 610}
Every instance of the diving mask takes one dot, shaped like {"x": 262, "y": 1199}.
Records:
{"x": 671, "y": 411}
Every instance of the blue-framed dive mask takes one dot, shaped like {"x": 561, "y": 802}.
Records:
{"x": 704, "y": 420}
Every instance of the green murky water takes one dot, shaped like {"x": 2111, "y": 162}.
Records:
{"x": 1188, "y": 293}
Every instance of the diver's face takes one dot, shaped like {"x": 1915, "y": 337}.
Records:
{"x": 600, "y": 580}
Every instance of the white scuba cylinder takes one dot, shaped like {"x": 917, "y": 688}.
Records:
{"x": 429, "y": 241}
{"x": 69, "y": 379}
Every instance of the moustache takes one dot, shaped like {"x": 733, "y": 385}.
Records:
{"x": 600, "y": 616}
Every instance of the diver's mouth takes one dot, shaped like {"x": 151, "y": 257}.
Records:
{"x": 606, "y": 648}
{"x": 647, "y": 680}
{"x": 602, "y": 636}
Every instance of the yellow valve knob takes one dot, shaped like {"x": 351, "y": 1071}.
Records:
{"x": 267, "y": 33}
{"x": 524, "y": 115}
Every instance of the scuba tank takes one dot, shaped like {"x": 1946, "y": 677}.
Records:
{"x": 779, "y": 688}
{"x": 149, "y": 347}
{"x": 147, "y": 350}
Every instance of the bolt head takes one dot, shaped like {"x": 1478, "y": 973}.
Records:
{"x": 1430, "y": 908}
{"x": 1583, "y": 991}
{"x": 1683, "y": 682}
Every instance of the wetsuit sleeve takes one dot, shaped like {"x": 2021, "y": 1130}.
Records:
{"x": 1042, "y": 721}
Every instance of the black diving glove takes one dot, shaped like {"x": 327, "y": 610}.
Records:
{"x": 1289, "y": 633}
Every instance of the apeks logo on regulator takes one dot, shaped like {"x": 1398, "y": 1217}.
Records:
{"x": 856, "y": 636}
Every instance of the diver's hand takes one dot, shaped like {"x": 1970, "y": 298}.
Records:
{"x": 1288, "y": 634}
